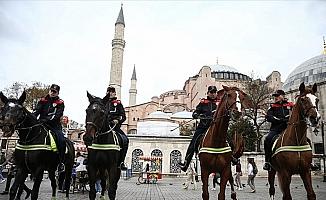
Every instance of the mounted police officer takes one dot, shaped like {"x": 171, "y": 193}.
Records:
{"x": 50, "y": 110}
{"x": 204, "y": 111}
{"x": 278, "y": 115}
{"x": 116, "y": 117}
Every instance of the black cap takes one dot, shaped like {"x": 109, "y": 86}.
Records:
{"x": 278, "y": 93}
{"x": 110, "y": 89}
{"x": 55, "y": 87}
{"x": 212, "y": 88}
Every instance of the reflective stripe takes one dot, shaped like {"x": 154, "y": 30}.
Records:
{"x": 105, "y": 147}
{"x": 33, "y": 147}
{"x": 215, "y": 150}
{"x": 292, "y": 148}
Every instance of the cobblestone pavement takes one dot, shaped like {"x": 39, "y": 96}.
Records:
{"x": 172, "y": 189}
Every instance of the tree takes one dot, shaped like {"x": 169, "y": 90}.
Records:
{"x": 34, "y": 92}
{"x": 245, "y": 127}
{"x": 259, "y": 93}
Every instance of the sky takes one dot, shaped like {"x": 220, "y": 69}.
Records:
{"x": 69, "y": 43}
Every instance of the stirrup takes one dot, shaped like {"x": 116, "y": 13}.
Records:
{"x": 267, "y": 166}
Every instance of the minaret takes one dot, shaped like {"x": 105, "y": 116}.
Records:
{"x": 133, "y": 88}
{"x": 118, "y": 45}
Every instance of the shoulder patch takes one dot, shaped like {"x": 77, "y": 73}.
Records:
{"x": 43, "y": 100}
{"x": 289, "y": 104}
{"x": 116, "y": 101}
{"x": 59, "y": 101}
{"x": 204, "y": 100}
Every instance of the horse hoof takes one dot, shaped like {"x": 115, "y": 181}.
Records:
{"x": 54, "y": 198}
{"x": 102, "y": 197}
{"x": 272, "y": 197}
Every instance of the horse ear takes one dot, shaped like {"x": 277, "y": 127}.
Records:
{"x": 226, "y": 88}
{"x": 22, "y": 98}
{"x": 90, "y": 97}
{"x": 314, "y": 88}
{"x": 3, "y": 98}
{"x": 302, "y": 88}
{"x": 106, "y": 98}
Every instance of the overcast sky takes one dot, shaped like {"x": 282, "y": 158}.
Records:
{"x": 69, "y": 42}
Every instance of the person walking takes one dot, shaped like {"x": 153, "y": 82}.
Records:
{"x": 238, "y": 174}
{"x": 215, "y": 180}
{"x": 251, "y": 174}
{"x": 191, "y": 172}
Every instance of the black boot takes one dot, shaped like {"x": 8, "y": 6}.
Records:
{"x": 267, "y": 166}
{"x": 123, "y": 153}
{"x": 184, "y": 166}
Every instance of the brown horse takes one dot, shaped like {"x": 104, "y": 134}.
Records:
{"x": 293, "y": 154}
{"x": 215, "y": 154}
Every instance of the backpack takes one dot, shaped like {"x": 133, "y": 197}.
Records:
{"x": 255, "y": 170}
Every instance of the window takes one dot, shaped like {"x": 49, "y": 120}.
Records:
{"x": 156, "y": 165}
{"x": 175, "y": 157}
{"x": 136, "y": 166}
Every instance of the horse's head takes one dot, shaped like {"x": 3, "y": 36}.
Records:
{"x": 309, "y": 103}
{"x": 235, "y": 101}
{"x": 95, "y": 117}
{"x": 12, "y": 113}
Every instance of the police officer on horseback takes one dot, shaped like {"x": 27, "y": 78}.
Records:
{"x": 278, "y": 115}
{"x": 204, "y": 111}
{"x": 50, "y": 110}
{"x": 116, "y": 116}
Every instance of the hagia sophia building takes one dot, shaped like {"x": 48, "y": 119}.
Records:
{"x": 153, "y": 126}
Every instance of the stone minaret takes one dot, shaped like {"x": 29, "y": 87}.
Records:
{"x": 133, "y": 88}
{"x": 324, "y": 52}
{"x": 118, "y": 44}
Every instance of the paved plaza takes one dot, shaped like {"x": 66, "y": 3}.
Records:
{"x": 172, "y": 189}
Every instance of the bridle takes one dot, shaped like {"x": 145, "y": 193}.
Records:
{"x": 98, "y": 129}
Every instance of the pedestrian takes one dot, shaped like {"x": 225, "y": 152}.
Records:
{"x": 191, "y": 173}
{"x": 238, "y": 174}
{"x": 216, "y": 176}
{"x": 204, "y": 111}
{"x": 80, "y": 169}
{"x": 251, "y": 174}
{"x": 115, "y": 118}
{"x": 2, "y": 179}
{"x": 50, "y": 109}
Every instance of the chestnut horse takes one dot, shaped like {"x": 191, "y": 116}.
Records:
{"x": 293, "y": 154}
{"x": 215, "y": 155}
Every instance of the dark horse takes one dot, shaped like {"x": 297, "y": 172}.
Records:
{"x": 34, "y": 152}
{"x": 215, "y": 154}
{"x": 293, "y": 154}
{"x": 103, "y": 148}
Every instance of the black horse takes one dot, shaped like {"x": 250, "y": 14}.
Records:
{"x": 103, "y": 148}
{"x": 34, "y": 152}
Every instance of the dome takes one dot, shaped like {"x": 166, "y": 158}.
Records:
{"x": 182, "y": 115}
{"x": 309, "y": 72}
{"x": 222, "y": 68}
{"x": 158, "y": 115}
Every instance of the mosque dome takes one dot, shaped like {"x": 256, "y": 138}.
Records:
{"x": 310, "y": 72}
{"x": 222, "y": 68}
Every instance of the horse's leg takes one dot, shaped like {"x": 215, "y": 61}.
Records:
{"x": 204, "y": 180}
{"x": 231, "y": 181}
{"x": 225, "y": 176}
{"x": 37, "y": 182}
{"x": 284, "y": 179}
{"x": 306, "y": 178}
{"x": 271, "y": 180}
{"x": 114, "y": 176}
{"x": 19, "y": 179}
{"x": 103, "y": 182}
{"x": 53, "y": 182}
{"x": 68, "y": 178}
{"x": 92, "y": 179}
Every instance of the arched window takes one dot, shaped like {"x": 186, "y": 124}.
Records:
{"x": 156, "y": 165}
{"x": 175, "y": 157}
{"x": 136, "y": 166}
{"x": 132, "y": 131}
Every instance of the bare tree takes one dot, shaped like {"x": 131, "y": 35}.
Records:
{"x": 259, "y": 93}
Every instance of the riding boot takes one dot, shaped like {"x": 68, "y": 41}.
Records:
{"x": 184, "y": 166}
{"x": 123, "y": 151}
{"x": 267, "y": 165}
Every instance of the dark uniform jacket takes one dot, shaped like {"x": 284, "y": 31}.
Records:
{"x": 115, "y": 111}
{"x": 50, "y": 111}
{"x": 278, "y": 114}
{"x": 205, "y": 109}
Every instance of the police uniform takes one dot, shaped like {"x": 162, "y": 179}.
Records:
{"x": 205, "y": 110}
{"x": 116, "y": 111}
{"x": 50, "y": 110}
{"x": 278, "y": 115}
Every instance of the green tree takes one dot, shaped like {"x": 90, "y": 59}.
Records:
{"x": 245, "y": 127}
